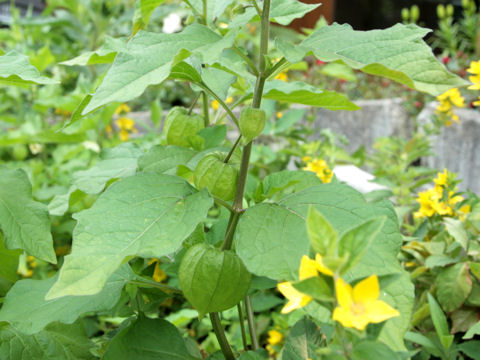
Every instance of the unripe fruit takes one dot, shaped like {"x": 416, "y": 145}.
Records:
{"x": 219, "y": 178}
{"x": 252, "y": 122}
{"x": 415, "y": 13}
{"x": 20, "y": 152}
{"x": 213, "y": 280}
{"x": 181, "y": 128}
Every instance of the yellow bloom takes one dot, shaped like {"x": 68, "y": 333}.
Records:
{"x": 477, "y": 102}
{"x": 279, "y": 115}
{"x": 109, "y": 129}
{"x": 442, "y": 179}
{"x": 476, "y": 82}
{"x": 124, "y": 135}
{"x": 295, "y": 298}
{"x": 274, "y": 337}
{"x": 229, "y": 100}
{"x": 282, "y": 76}
{"x": 474, "y": 67}
{"x": 122, "y": 109}
{"x": 215, "y": 105}
{"x": 453, "y": 96}
{"x": 125, "y": 123}
{"x": 158, "y": 274}
{"x": 360, "y": 306}
{"x": 321, "y": 168}
{"x": 446, "y": 101}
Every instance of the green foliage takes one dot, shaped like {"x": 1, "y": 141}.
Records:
{"x": 16, "y": 70}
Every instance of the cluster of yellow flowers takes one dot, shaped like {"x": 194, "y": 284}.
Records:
{"x": 475, "y": 79}
{"x": 447, "y": 101}
{"x": 125, "y": 125}
{"x": 319, "y": 167}
{"x": 26, "y": 266}
{"x": 356, "y": 307}
{"x": 216, "y": 105}
{"x": 441, "y": 199}
{"x": 274, "y": 338}
{"x": 282, "y": 76}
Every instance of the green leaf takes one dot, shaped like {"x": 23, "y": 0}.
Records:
{"x": 439, "y": 320}
{"x": 454, "y": 284}
{"x": 165, "y": 160}
{"x": 291, "y": 180}
{"x": 260, "y": 354}
{"x": 149, "y": 58}
{"x": 474, "y": 330}
{"x": 25, "y": 223}
{"x": 471, "y": 349}
{"x": 397, "y": 53}
{"x": 215, "y": 8}
{"x": 27, "y": 310}
{"x": 281, "y": 11}
{"x": 213, "y": 280}
{"x": 116, "y": 163}
{"x": 355, "y": 242}
{"x": 214, "y": 135}
{"x": 315, "y": 287}
{"x": 8, "y": 262}
{"x": 15, "y": 69}
{"x": 143, "y": 11}
{"x": 57, "y": 341}
{"x": 425, "y": 342}
{"x": 372, "y": 350}
{"x": 105, "y": 54}
{"x": 301, "y": 93}
{"x": 147, "y": 215}
{"x": 456, "y": 228}
{"x": 148, "y": 339}
{"x": 323, "y": 237}
{"x": 339, "y": 71}
{"x": 303, "y": 341}
{"x": 218, "y": 81}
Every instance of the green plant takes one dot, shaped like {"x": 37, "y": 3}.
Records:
{"x": 146, "y": 212}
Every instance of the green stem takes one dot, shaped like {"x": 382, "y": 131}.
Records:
{"x": 220, "y": 101}
{"x": 251, "y": 322}
{"x": 206, "y": 115}
{"x": 223, "y": 203}
{"x": 249, "y": 61}
{"x": 229, "y": 155}
{"x": 205, "y": 11}
{"x": 194, "y": 102}
{"x": 227, "y": 242}
{"x": 222, "y": 340}
{"x": 275, "y": 67}
{"x": 242, "y": 326}
{"x": 259, "y": 12}
{"x": 152, "y": 284}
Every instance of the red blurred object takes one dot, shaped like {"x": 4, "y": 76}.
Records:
{"x": 446, "y": 59}
{"x": 342, "y": 81}
{"x": 319, "y": 62}
{"x": 462, "y": 72}
{"x": 418, "y": 104}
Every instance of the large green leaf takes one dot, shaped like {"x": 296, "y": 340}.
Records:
{"x": 454, "y": 284}
{"x": 165, "y": 160}
{"x": 301, "y": 93}
{"x": 105, "y": 54}
{"x": 272, "y": 238}
{"x": 27, "y": 310}
{"x": 15, "y": 69}
{"x": 397, "y": 53}
{"x": 148, "y": 339}
{"x": 147, "y": 215}
{"x": 116, "y": 163}
{"x": 8, "y": 262}
{"x": 303, "y": 341}
{"x": 149, "y": 57}
{"x": 25, "y": 223}
{"x": 281, "y": 11}
{"x": 57, "y": 341}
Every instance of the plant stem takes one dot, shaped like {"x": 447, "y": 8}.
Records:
{"x": 205, "y": 109}
{"x": 205, "y": 11}
{"x": 275, "y": 67}
{"x": 251, "y": 322}
{"x": 222, "y": 340}
{"x": 223, "y": 203}
{"x": 227, "y": 242}
{"x": 229, "y": 155}
{"x": 249, "y": 62}
{"x": 242, "y": 326}
{"x": 148, "y": 284}
{"x": 220, "y": 101}
{"x": 259, "y": 12}
{"x": 194, "y": 102}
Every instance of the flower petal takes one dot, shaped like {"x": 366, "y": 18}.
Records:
{"x": 343, "y": 316}
{"x": 308, "y": 268}
{"x": 379, "y": 311}
{"x": 321, "y": 267}
{"x": 344, "y": 294}
{"x": 295, "y": 297}
{"x": 366, "y": 290}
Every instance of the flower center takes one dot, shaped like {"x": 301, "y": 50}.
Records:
{"x": 358, "y": 309}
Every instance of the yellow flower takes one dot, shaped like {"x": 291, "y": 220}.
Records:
{"x": 274, "y": 337}
{"x": 442, "y": 179}
{"x": 296, "y": 299}
{"x": 474, "y": 68}
{"x": 453, "y": 96}
{"x": 446, "y": 101}
{"x": 477, "y": 103}
{"x": 282, "y": 76}
{"x": 109, "y": 129}
{"x": 215, "y": 105}
{"x": 124, "y": 135}
{"x": 476, "y": 82}
{"x": 122, "y": 109}
{"x": 158, "y": 274}
{"x": 125, "y": 123}
{"x": 229, "y": 100}
{"x": 279, "y": 115}
{"x": 360, "y": 306}
{"x": 321, "y": 168}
